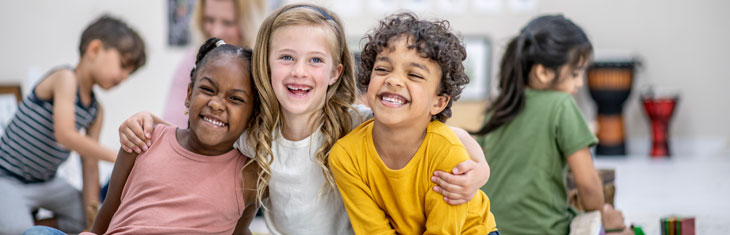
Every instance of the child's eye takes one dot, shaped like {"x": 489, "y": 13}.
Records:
{"x": 380, "y": 69}
{"x": 238, "y": 99}
{"x": 287, "y": 58}
{"x": 207, "y": 90}
{"x": 415, "y": 76}
{"x": 316, "y": 60}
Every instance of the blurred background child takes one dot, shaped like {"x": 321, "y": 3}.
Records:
{"x": 48, "y": 126}
{"x": 534, "y": 130}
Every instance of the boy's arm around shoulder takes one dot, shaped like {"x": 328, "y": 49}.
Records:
{"x": 365, "y": 215}
{"x": 250, "y": 178}
{"x": 120, "y": 173}
{"x": 64, "y": 97}
{"x": 441, "y": 217}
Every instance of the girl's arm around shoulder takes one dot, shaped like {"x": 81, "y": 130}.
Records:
{"x": 460, "y": 186}
{"x": 135, "y": 133}
{"x": 250, "y": 179}
{"x": 120, "y": 173}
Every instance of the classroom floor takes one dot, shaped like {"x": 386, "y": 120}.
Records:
{"x": 649, "y": 189}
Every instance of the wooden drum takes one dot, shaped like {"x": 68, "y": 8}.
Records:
{"x": 609, "y": 84}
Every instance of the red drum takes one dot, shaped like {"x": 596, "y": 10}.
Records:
{"x": 660, "y": 111}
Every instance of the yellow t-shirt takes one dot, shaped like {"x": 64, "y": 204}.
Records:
{"x": 380, "y": 200}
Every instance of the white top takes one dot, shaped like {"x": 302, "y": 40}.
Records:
{"x": 295, "y": 206}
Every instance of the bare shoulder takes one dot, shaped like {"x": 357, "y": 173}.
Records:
{"x": 59, "y": 79}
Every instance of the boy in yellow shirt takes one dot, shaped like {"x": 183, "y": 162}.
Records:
{"x": 412, "y": 71}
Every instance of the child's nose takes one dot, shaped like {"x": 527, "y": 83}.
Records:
{"x": 216, "y": 103}
{"x": 394, "y": 80}
{"x": 299, "y": 69}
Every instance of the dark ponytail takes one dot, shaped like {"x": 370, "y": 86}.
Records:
{"x": 551, "y": 41}
{"x": 213, "y": 47}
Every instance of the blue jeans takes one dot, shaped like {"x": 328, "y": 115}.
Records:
{"x": 43, "y": 230}
{"x": 492, "y": 233}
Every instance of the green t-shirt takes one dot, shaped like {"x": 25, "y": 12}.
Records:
{"x": 527, "y": 157}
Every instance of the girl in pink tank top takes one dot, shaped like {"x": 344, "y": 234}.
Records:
{"x": 192, "y": 181}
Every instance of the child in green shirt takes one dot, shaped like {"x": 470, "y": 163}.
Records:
{"x": 534, "y": 130}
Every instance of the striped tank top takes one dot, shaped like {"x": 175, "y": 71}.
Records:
{"x": 28, "y": 148}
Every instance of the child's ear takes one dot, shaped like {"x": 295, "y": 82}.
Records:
{"x": 188, "y": 98}
{"x": 93, "y": 49}
{"x": 440, "y": 104}
{"x": 335, "y": 74}
{"x": 543, "y": 74}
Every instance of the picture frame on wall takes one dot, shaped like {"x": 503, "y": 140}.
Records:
{"x": 179, "y": 15}
{"x": 476, "y": 66}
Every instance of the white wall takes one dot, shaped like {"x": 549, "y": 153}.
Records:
{"x": 683, "y": 44}
{"x": 38, "y": 35}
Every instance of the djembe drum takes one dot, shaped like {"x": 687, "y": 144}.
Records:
{"x": 660, "y": 109}
{"x": 609, "y": 84}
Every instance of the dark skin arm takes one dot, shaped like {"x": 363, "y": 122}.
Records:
{"x": 250, "y": 175}
{"x": 122, "y": 167}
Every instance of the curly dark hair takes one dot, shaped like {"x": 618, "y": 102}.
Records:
{"x": 431, "y": 39}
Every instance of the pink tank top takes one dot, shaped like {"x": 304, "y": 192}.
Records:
{"x": 174, "y": 191}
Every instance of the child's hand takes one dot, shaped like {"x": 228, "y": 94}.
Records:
{"x": 135, "y": 132}
{"x": 612, "y": 219}
{"x": 461, "y": 185}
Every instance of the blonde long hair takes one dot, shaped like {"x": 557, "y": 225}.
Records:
{"x": 248, "y": 12}
{"x": 335, "y": 118}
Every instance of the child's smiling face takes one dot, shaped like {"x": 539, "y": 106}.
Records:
{"x": 220, "y": 102}
{"x": 404, "y": 86}
{"x": 302, "y": 67}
